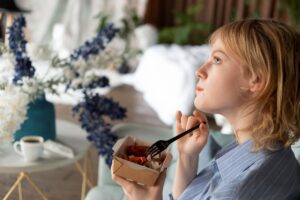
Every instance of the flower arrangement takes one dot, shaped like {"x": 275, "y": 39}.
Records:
{"x": 13, "y": 108}
{"x": 78, "y": 72}
{"x": 18, "y": 87}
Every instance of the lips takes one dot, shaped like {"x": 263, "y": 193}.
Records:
{"x": 199, "y": 89}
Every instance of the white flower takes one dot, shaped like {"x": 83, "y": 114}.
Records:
{"x": 7, "y": 67}
{"x": 146, "y": 36}
{"x": 87, "y": 79}
{"x": 76, "y": 82}
{"x": 13, "y": 110}
{"x": 117, "y": 44}
{"x": 68, "y": 73}
{"x": 30, "y": 86}
{"x": 38, "y": 52}
{"x": 80, "y": 67}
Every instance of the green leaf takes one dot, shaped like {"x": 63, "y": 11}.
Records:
{"x": 185, "y": 26}
{"x": 103, "y": 22}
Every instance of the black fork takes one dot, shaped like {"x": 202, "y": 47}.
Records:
{"x": 161, "y": 145}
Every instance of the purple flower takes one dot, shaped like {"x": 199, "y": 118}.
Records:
{"x": 95, "y": 114}
{"x": 95, "y": 45}
{"x": 17, "y": 45}
{"x": 96, "y": 111}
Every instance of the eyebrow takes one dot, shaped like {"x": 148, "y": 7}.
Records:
{"x": 219, "y": 51}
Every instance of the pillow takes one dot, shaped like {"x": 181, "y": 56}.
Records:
{"x": 166, "y": 77}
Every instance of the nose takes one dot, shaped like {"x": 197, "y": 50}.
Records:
{"x": 201, "y": 72}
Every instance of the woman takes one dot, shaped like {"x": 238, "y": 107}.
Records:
{"x": 252, "y": 78}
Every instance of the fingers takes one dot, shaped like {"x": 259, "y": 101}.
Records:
{"x": 161, "y": 179}
{"x": 133, "y": 191}
{"x": 200, "y": 116}
{"x": 204, "y": 126}
{"x": 181, "y": 121}
{"x": 119, "y": 180}
{"x": 184, "y": 122}
{"x": 127, "y": 186}
{"x": 178, "y": 121}
{"x": 192, "y": 121}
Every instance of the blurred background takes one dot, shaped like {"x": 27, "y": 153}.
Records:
{"x": 177, "y": 21}
{"x": 163, "y": 42}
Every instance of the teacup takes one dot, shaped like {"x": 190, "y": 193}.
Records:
{"x": 30, "y": 147}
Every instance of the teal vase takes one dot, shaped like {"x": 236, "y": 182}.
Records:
{"x": 40, "y": 120}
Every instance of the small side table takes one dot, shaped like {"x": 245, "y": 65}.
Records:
{"x": 69, "y": 134}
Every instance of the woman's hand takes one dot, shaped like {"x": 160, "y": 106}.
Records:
{"x": 191, "y": 144}
{"x": 133, "y": 191}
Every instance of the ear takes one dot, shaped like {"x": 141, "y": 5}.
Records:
{"x": 256, "y": 83}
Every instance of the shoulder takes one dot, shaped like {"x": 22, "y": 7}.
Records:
{"x": 276, "y": 176}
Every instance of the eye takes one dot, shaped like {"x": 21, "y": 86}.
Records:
{"x": 216, "y": 60}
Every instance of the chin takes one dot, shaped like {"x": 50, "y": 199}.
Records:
{"x": 204, "y": 108}
{"x": 200, "y": 106}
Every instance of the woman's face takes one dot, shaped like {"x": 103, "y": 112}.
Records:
{"x": 221, "y": 82}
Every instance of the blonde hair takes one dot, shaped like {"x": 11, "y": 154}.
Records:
{"x": 271, "y": 51}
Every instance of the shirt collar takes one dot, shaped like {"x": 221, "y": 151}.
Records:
{"x": 235, "y": 158}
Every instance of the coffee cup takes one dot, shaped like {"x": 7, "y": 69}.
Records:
{"x": 30, "y": 147}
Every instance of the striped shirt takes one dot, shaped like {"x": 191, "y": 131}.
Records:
{"x": 237, "y": 173}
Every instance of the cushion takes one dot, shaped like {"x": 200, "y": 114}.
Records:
{"x": 166, "y": 78}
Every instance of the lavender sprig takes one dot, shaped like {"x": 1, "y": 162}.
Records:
{"x": 102, "y": 81}
{"x": 95, "y": 45}
{"x": 17, "y": 44}
{"x": 104, "y": 140}
{"x": 96, "y": 111}
{"x": 93, "y": 114}
{"x": 99, "y": 82}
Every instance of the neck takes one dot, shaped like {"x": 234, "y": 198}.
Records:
{"x": 240, "y": 124}
{"x": 242, "y": 136}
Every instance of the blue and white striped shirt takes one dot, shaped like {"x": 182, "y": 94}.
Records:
{"x": 237, "y": 173}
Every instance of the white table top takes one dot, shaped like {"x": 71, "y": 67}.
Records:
{"x": 68, "y": 133}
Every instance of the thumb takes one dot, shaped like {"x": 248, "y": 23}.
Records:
{"x": 161, "y": 179}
